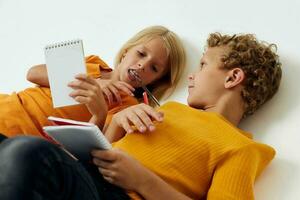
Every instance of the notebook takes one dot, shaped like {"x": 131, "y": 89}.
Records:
{"x": 64, "y": 60}
{"x": 78, "y": 138}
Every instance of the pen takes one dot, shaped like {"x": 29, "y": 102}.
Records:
{"x": 151, "y": 95}
{"x": 134, "y": 73}
{"x": 145, "y": 97}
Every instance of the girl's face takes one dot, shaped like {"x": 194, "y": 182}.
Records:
{"x": 149, "y": 59}
{"x": 207, "y": 83}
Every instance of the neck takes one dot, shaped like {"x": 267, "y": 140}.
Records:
{"x": 229, "y": 106}
{"x": 110, "y": 75}
{"x": 115, "y": 74}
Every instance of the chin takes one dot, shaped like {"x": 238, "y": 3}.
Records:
{"x": 193, "y": 103}
{"x": 190, "y": 101}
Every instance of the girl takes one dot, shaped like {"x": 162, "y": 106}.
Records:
{"x": 155, "y": 52}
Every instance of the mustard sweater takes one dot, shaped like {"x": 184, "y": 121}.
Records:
{"x": 200, "y": 154}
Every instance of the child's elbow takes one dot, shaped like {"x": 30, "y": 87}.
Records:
{"x": 30, "y": 74}
{"x": 35, "y": 73}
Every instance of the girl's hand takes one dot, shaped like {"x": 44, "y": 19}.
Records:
{"x": 120, "y": 169}
{"x": 141, "y": 116}
{"x": 88, "y": 92}
{"x": 111, "y": 90}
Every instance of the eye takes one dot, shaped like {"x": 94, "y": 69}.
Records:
{"x": 154, "y": 68}
{"x": 141, "y": 53}
{"x": 201, "y": 65}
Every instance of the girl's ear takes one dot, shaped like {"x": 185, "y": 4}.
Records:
{"x": 124, "y": 54}
{"x": 234, "y": 77}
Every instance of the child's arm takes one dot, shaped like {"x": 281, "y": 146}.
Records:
{"x": 122, "y": 170}
{"x": 38, "y": 74}
{"x": 114, "y": 132}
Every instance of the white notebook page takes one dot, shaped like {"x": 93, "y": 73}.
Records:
{"x": 64, "y": 61}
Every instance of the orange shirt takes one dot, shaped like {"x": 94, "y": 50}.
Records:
{"x": 26, "y": 112}
{"x": 200, "y": 154}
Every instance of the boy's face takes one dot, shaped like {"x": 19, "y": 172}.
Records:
{"x": 206, "y": 85}
{"x": 150, "y": 59}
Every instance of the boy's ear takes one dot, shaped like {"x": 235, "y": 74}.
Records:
{"x": 234, "y": 77}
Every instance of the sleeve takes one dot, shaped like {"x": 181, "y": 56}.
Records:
{"x": 94, "y": 66}
{"x": 234, "y": 176}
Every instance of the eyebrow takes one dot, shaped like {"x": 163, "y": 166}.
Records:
{"x": 160, "y": 65}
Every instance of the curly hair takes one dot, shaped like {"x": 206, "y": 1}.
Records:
{"x": 259, "y": 62}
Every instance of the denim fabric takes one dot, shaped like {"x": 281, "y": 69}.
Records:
{"x": 2, "y": 137}
{"x": 32, "y": 168}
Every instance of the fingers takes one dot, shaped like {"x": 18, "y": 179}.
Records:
{"x": 125, "y": 87}
{"x": 145, "y": 119}
{"x": 85, "y": 96}
{"x": 84, "y": 82}
{"x": 125, "y": 125}
{"x": 105, "y": 155}
{"x": 116, "y": 93}
{"x": 136, "y": 121}
{"x": 146, "y": 114}
{"x": 109, "y": 95}
{"x": 82, "y": 100}
{"x": 105, "y": 165}
{"x": 158, "y": 116}
{"x": 112, "y": 94}
{"x": 112, "y": 91}
{"x": 106, "y": 173}
{"x": 141, "y": 116}
{"x": 85, "y": 89}
{"x": 101, "y": 163}
{"x": 85, "y": 77}
{"x": 79, "y": 92}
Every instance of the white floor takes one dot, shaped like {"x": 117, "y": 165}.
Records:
{"x": 26, "y": 26}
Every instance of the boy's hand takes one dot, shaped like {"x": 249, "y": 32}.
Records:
{"x": 120, "y": 169}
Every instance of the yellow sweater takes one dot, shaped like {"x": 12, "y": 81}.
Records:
{"x": 200, "y": 154}
{"x": 26, "y": 112}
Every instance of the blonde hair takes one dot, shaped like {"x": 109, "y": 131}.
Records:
{"x": 259, "y": 62}
{"x": 163, "y": 87}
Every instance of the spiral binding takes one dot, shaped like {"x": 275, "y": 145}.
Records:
{"x": 62, "y": 44}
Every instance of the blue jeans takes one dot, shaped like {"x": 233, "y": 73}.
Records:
{"x": 32, "y": 168}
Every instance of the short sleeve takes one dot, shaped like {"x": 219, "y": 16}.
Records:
{"x": 95, "y": 65}
{"x": 234, "y": 176}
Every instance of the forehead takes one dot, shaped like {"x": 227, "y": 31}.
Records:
{"x": 154, "y": 45}
{"x": 215, "y": 53}
{"x": 156, "y": 48}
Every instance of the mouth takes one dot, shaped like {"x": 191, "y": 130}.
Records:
{"x": 134, "y": 76}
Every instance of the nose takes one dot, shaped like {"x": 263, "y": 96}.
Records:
{"x": 191, "y": 77}
{"x": 141, "y": 67}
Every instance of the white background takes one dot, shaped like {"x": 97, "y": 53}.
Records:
{"x": 27, "y": 26}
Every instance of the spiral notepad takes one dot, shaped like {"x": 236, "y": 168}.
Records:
{"x": 79, "y": 138}
{"x": 64, "y": 60}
